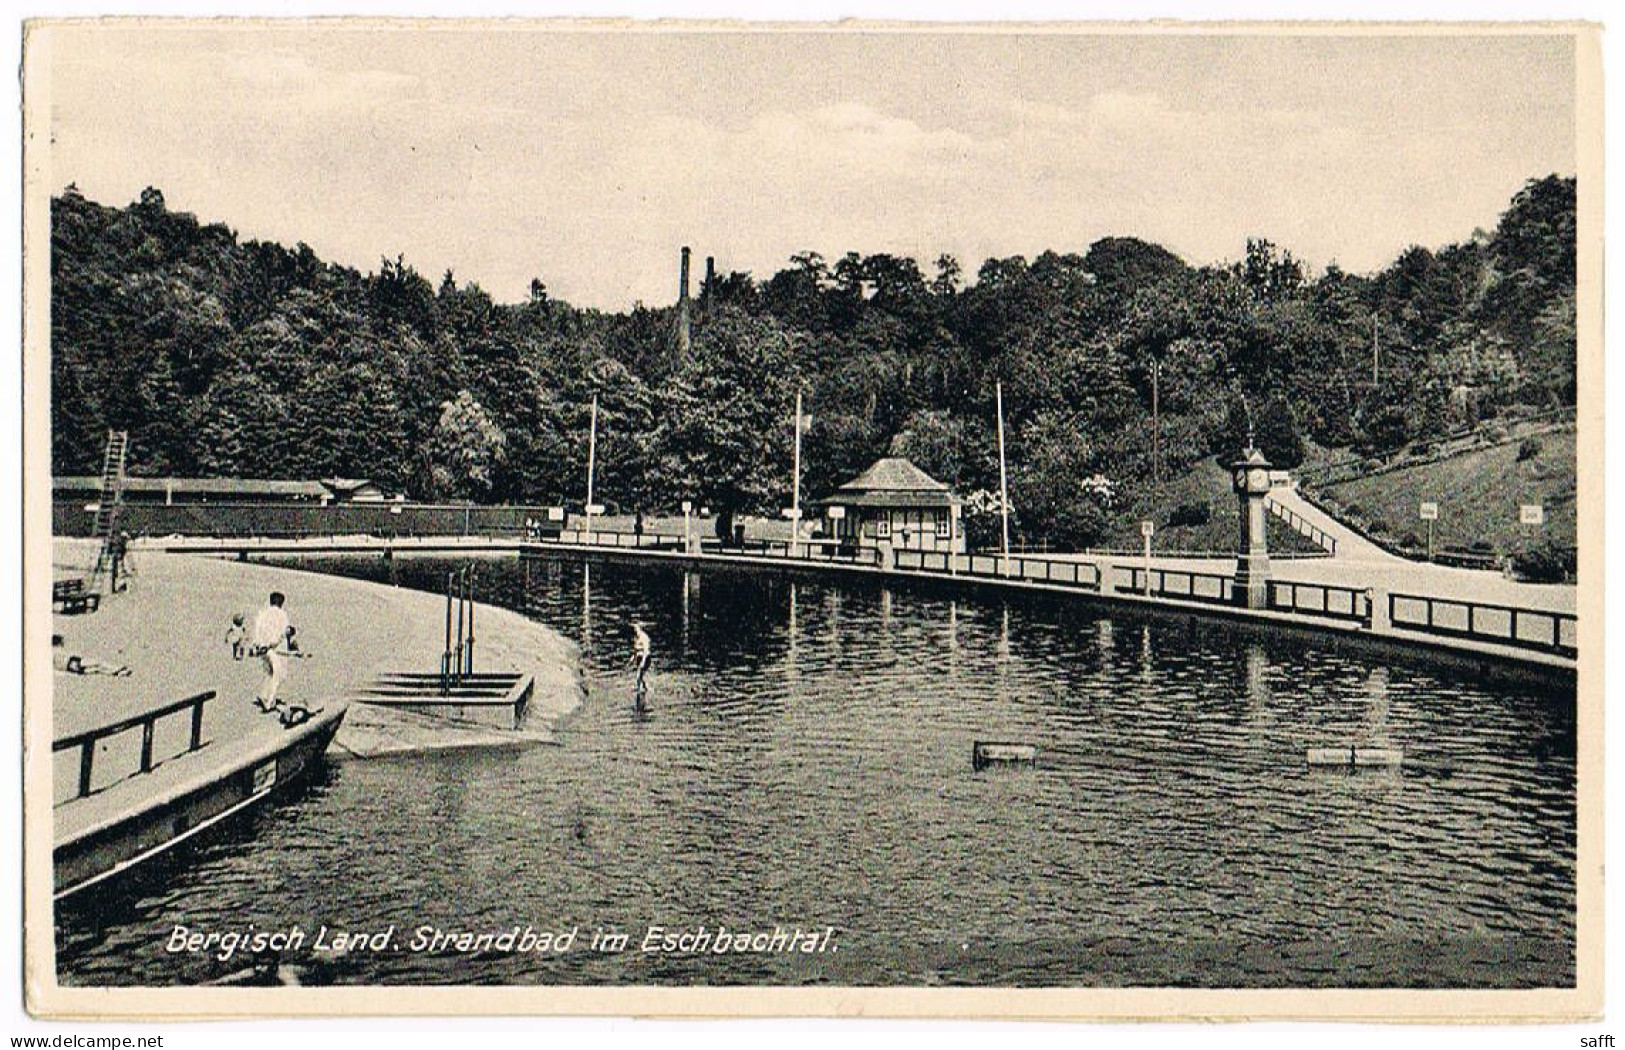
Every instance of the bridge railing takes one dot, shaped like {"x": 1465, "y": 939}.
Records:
{"x": 1180, "y": 584}
{"x": 1542, "y": 629}
{"x": 87, "y": 742}
{"x": 1320, "y": 599}
{"x": 1059, "y": 571}
{"x": 618, "y": 538}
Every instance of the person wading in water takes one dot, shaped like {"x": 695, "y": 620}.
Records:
{"x": 642, "y": 654}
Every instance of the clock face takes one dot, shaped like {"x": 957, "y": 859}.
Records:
{"x": 1241, "y": 481}
{"x": 1258, "y": 479}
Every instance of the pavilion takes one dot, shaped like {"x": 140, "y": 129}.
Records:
{"x": 895, "y": 503}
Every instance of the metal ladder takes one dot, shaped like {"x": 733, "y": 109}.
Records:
{"x": 107, "y": 508}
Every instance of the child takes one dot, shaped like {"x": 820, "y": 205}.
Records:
{"x": 236, "y": 637}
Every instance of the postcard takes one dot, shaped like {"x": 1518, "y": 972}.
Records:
{"x": 922, "y": 520}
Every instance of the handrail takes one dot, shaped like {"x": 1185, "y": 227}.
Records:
{"x": 1303, "y": 526}
{"x": 1140, "y": 581}
{"x": 1359, "y": 608}
{"x": 1475, "y": 628}
{"x": 87, "y": 740}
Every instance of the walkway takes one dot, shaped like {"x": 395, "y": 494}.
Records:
{"x": 1351, "y": 546}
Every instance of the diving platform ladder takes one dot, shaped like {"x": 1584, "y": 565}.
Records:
{"x": 111, "y": 557}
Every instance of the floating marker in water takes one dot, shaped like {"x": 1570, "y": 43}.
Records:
{"x": 988, "y": 752}
{"x": 1356, "y": 757}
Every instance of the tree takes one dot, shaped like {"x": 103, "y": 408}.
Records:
{"x": 725, "y": 432}
{"x": 466, "y": 448}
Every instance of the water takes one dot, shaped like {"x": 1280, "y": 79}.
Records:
{"x": 807, "y": 764}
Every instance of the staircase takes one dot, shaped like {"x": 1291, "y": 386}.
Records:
{"x": 107, "y": 508}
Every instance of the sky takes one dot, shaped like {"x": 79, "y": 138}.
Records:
{"x": 587, "y": 157}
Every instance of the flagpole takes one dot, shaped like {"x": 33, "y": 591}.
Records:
{"x": 592, "y": 458}
{"x": 1004, "y": 487}
{"x": 795, "y": 488}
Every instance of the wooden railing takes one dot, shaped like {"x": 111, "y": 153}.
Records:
{"x": 86, "y": 742}
{"x": 1543, "y": 629}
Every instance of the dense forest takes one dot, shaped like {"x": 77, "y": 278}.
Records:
{"x": 257, "y": 360}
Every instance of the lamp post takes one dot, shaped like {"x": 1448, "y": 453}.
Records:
{"x": 1250, "y": 478}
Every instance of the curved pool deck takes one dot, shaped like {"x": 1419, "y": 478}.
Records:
{"x": 169, "y": 628}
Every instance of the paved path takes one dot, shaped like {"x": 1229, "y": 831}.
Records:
{"x": 1351, "y": 546}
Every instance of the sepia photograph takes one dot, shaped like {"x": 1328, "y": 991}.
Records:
{"x": 578, "y": 517}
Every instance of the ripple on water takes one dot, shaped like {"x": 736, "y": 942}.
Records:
{"x": 807, "y": 761}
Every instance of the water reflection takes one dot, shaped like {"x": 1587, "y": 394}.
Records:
{"x": 808, "y": 761}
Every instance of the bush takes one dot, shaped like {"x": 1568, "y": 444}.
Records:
{"x": 1379, "y": 527}
{"x": 1423, "y": 448}
{"x": 1190, "y": 514}
{"x": 1528, "y": 448}
{"x": 1544, "y": 562}
{"x": 1411, "y": 541}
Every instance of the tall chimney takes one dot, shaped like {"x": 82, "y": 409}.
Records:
{"x": 682, "y": 308}
{"x": 710, "y": 279}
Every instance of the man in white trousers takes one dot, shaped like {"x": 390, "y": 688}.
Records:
{"x": 270, "y": 641}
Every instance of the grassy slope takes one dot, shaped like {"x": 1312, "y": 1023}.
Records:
{"x": 1206, "y": 482}
{"x": 1478, "y": 495}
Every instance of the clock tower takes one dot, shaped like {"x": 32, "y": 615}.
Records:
{"x": 1250, "y": 477}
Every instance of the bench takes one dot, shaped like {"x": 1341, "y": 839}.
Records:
{"x": 73, "y": 597}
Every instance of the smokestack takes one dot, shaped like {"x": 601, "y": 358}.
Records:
{"x": 682, "y": 308}
{"x": 710, "y": 279}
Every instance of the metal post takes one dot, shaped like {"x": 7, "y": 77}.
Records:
{"x": 445, "y": 656}
{"x": 470, "y": 619}
{"x": 87, "y": 757}
{"x": 1156, "y": 424}
{"x": 1004, "y": 488}
{"x": 1375, "y": 354}
{"x": 458, "y": 673}
{"x": 592, "y": 459}
{"x": 795, "y": 488}
{"x": 1147, "y": 537}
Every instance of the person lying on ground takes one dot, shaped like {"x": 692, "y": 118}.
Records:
{"x": 73, "y": 663}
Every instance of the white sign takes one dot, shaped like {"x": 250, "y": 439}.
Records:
{"x": 555, "y": 514}
{"x": 793, "y": 513}
{"x": 1430, "y": 512}
{"x": 836, "y": 513}
{"x": 1148, "y": 529}
{"x": 688, "y": 505}
{"x": 595, "y": 508}
{"x": 1531, "y": 514}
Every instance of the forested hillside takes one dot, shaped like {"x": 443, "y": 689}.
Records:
{"x": 252, "y": 359}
